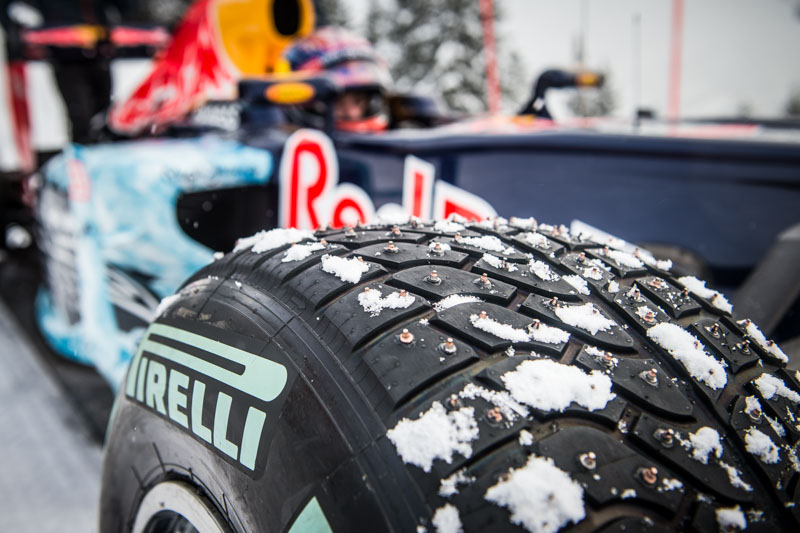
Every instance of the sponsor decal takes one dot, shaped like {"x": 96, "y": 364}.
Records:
{"x": 311, "y": 195}
{"x": 225, "y": 393}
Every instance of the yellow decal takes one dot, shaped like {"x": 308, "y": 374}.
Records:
{"x": 289, "y": 93}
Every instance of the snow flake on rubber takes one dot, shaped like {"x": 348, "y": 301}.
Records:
{"x": 586, "y": 317}
{"x": 690, "y": 352}
{"x": 454, "y": 300}
{"x": 704, "y": 442}
{"x": 699, "y": 288}
{"x": 498, "y": 263}
{"x": 449, "y": 486}
{"x": 761, "y": 445}
{"x": 373, "y": 301}
{"x": 649, "y": 260}
{"x": 769, "y": 386}
{"x": 435, "y": 247}
{"x": 542, "y": 270}
{"x": 769, "y": 346}
{"x": 579, "y": 283}
{"x": 448, "y": 226}
{"x": 275, "y": 238}
{"x": 446, "y": 519}
{"x": 541, "y": 497}
{"x": 549, "y": 386}
{"x": 165, "y": 304}
{"x": 621, "y": 258}
{"x": 436, "y": 434}
{"x": 486, "y": 242}
{"x": 528, "y": 224}
{"x": 510, "y": 408}
{"x": 345, "y": 269}
{"x": 298, "y": 252}
{"x": 734, "y": 477}
{"x": 731, "y": 519}
{"x": 536, "y": 331}
{"x": 537, "y": 240}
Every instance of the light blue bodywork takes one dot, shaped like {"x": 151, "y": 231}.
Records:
{"x": 122, "y": 212}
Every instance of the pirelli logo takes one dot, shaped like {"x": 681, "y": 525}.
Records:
{"x": 224, "y": 395}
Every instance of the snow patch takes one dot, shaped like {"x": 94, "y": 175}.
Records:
{"x": 165, "y": 304}
{"x": 586, "y": 317}
{"x": 579, "y": 283}
{"x": 699, "y": 288}
{"x": 613, "y": 287}
{"x": 777, "y": 427}
{"x": 446, "y": 519}
{"x": 623, "y": 258}
{"x": 448, "y": 226}
{"x": 540, "y": 333}
{"x": 628, "y": 493}
{"x": 537, "y": 240}
{"x": 436, "y": 434}
{"x": 760, "y": 445}
{"x": 649, "y": 260}
{"x": 298, "y": 252}
{"x": 274, "y": 238}
{"x": 734, "y": 477}
{"x": 731, "y": 519}
{"x": 528, "y": 224}
{"x": 443, "y": 247}
{"x": 684, "y": 347}
{"x": 549, "y": 386}
{"x": 704, "y": 442}
{"x": 542, "y": 271}
{"x": 449, "y": 486}
{"x": 453, "y": 300}
{"x": 770, "y": 347}
{"x": 497, "y": 263}
{"x": 510, "y": 408}
{"x": 349, "y": 270}
{"x": 486, "y": 242}
{"x": 669, "y": 484}
{"x": 525, "y": 438}
{"x": 593, "y": 273}
{"x": 373, "y": 302}
{"x": 769, "y": 386}
{"x": 542, "y": 498}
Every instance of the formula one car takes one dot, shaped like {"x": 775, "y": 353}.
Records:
{"x": 344, "y": 374}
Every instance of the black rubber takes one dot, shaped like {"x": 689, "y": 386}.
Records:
{"x": 356, "y": 375}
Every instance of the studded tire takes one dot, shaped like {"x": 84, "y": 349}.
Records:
{"x": 571, "y": 387}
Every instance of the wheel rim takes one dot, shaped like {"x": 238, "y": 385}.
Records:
{"x": 175, "y": 507}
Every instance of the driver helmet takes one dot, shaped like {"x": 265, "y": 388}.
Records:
{"x": 351, "y": 63}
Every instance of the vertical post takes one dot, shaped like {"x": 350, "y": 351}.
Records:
{"x": 490, "y": 54}
{"x": 637, "y": 66}
{"x": 676, "y": 52}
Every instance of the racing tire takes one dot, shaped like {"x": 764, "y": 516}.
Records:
{"x": 375, "y": 379}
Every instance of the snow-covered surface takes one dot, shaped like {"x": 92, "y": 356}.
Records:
{"x": 274, "y": 238}
{"x": 537, "y": 240}
{"x": 550, "y": 386}
{"x": 298, "y": 252}
{"x": 525, "y": 438}
{"x": 346, "y": 269}
{"x": 613, "y": 286}
{"x": 734, "y": 477}
{"x": 541, "y": 497}
{"x": 487, "y": 242}
{"x": 436, "y": 434}
{"x": 528, "y": 224}
{"x": 769, "y": 386}
{"x": 593, "y": 272}
{"x": 760, "y": 445}
{"x": 649, "y": 260}
{"x": 449, "y": 485}
{"x": 703, "y": 442}
{"x": 586, "y": 317}
{"x": 497, "y": 263}
{"x": 542, "y": 271}
{"x": 446, "y": 519}
{"x": 770, "y": 347}
{"x": 455, "y": 299}
{"x": 373, "y": 301}
{"x": 579, "y": 283}
{"x": 448, "y": 226}
{"x": 699, "y": 288}
{"x": 542, "y": 333}
{"x": 731, "y": 519}
{"x": 623, "y": 258}
{"x": 690, "y": 352}
{"x": 166, "y": 303}
{"x": 510, "y": 408}
{"x": 443, "y": 247}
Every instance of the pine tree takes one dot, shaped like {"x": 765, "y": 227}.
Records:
{"x": 435, "y": 47}
{"x": 332, "y": 13}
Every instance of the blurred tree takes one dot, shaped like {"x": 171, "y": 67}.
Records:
{"x": 593, "y": 102}
{"x": 793, "y": 106}
{"x": 332, "y": 13}
{"x": 435, "y": 47}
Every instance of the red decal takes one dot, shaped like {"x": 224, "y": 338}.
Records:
{"x": 350, "y": 206}
{"x": 418, "y": 178}
{"x": 450, "y": 199}
{"x": 308, "y": 175}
